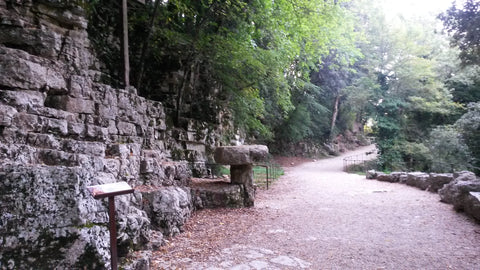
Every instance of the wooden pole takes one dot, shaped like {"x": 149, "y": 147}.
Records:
{"x": 126, "y": 60}
{"x": 113, "y": 233}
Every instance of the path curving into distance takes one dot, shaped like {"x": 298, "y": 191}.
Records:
{"x": 319, "y": 217}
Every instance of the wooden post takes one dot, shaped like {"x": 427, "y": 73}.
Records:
{"x": 113, "y": 233}
{"x": 126, "y": 60}
{"x": 110, "y": 191}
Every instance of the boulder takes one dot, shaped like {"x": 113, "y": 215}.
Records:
{"x": 371, "y": 174}
{"x": 403, "y": 178}
{"x": 218, "y": 195}
{"x": 472, "y": 205}
{"x": 168, "y": 208}
{"x": 386, "y": 178}
{"x": 48, "y": 217}
{"x": 393, "y": 177}
{"x": 438, "y": 180}
{"x": 133, "y": 224}
{"x": 456, "y": 191}
{"x": 418, "y": 179}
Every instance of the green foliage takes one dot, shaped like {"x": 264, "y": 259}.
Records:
{"x": 465, "y": 84}
{"x": 416, "y": 155}
{"x": 248, "y": 108}
{"x": 302, "y": 70}
{"x": 448, "y": 150}
{"x": 408, "y": 97}
{"x": 469, "y": 127}
{"x": 463, "y": 25}
{"x": 297, "y": 126}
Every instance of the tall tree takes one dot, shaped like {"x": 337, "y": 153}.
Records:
{"x": 463, "y": 24}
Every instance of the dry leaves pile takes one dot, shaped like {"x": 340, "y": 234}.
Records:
{"x": 205, "y": 234}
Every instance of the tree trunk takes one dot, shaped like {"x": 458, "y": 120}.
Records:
{"x": 145, "y": 46}
{"x": 334, "y": 116}
{"x": 126, "y": 60}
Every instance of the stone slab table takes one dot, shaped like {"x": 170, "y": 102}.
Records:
{"x": 241, "y": 159}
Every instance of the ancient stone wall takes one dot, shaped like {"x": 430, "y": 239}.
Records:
{"x": 62, "y": 130}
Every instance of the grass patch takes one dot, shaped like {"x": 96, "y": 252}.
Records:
{"x": 260, "y": 174}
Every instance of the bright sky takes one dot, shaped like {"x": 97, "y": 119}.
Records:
{"x": 415, "y": 8}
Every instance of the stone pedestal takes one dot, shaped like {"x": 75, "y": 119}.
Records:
{"x": 241, "y": 160}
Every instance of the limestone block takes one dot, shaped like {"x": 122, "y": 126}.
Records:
{"x": 97, "y": 133}
{"x": 51, "y": 113}
{"x": 112, "y": 166}
{"x": 147, "y": 165}
{"x": 23, "y": 99}
{"x": 371, "y": 174}
{"x": 437, "y": 181}
{"x": 53, "y": 125}
{"x": 46, "y": 211}
{"x": 243, "y": 174}
{"x": 133, "y": 223}
{"x": 6, "y": 115}
{"x": 109, "y": 112}
{"x": 168, "y": 208}
{"x": 112, "y": 127}
{"x": 418, "y": 179}
{"x": 456, "y": 191}
{"x": 218, "y": 195}
{"x": 17, "y": 152}
{"x": 239, "y": 155}
{"x": 84, "y": 147}
{"x": 79, "y": 87}
{"x": 182, "y": 173}
{"x": 57, "y": 158}
{"x": 27, "y": 122}
{"x": 403, "y": 179}
{"x": 123, "y": 150}
{"x": 67, "y": 15}
{"x": 43, "y": 141}
{"x": 70, "y": 104}
{"x": 387, "y": 178}
{"x": 160, "y": 124}
{"x": 93, "y": 163}
{"x": 38, "y": 41}
{"x": 19, "y": 73}
{"x": 76, "y": 129}
{"x": 472, "y": 205}
{"x": 130, "y": 168}
{"x": 155, "y": 110}
{"x": 125, "y": 100}
{"x": 126, "y": 129}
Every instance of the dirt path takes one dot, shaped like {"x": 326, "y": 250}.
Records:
{"x": 318, "y": 217}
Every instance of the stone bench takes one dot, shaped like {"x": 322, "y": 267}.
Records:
{"x": 241, "y": 159}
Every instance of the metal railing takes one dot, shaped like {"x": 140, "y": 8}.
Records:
{"x": 352, "y": 163}
{"x": 272, "y": 172}
{"x": 214, "y": 170}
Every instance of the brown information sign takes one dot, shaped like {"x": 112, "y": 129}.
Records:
{"x": 110, "y": 190}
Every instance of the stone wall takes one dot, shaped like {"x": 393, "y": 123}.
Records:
{"x": 61, "y": 130}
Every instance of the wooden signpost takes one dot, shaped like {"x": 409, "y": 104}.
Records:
{"x": 111, "y": 190}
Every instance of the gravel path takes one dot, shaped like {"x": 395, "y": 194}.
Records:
{"x": 318, "y": 217}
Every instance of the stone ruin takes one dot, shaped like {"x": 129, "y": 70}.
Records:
{"x": 236, "y": 191}
{"x": 62, "y": 129}
{"x": 241, "y": 160}
{"x": 461, "y": 189}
